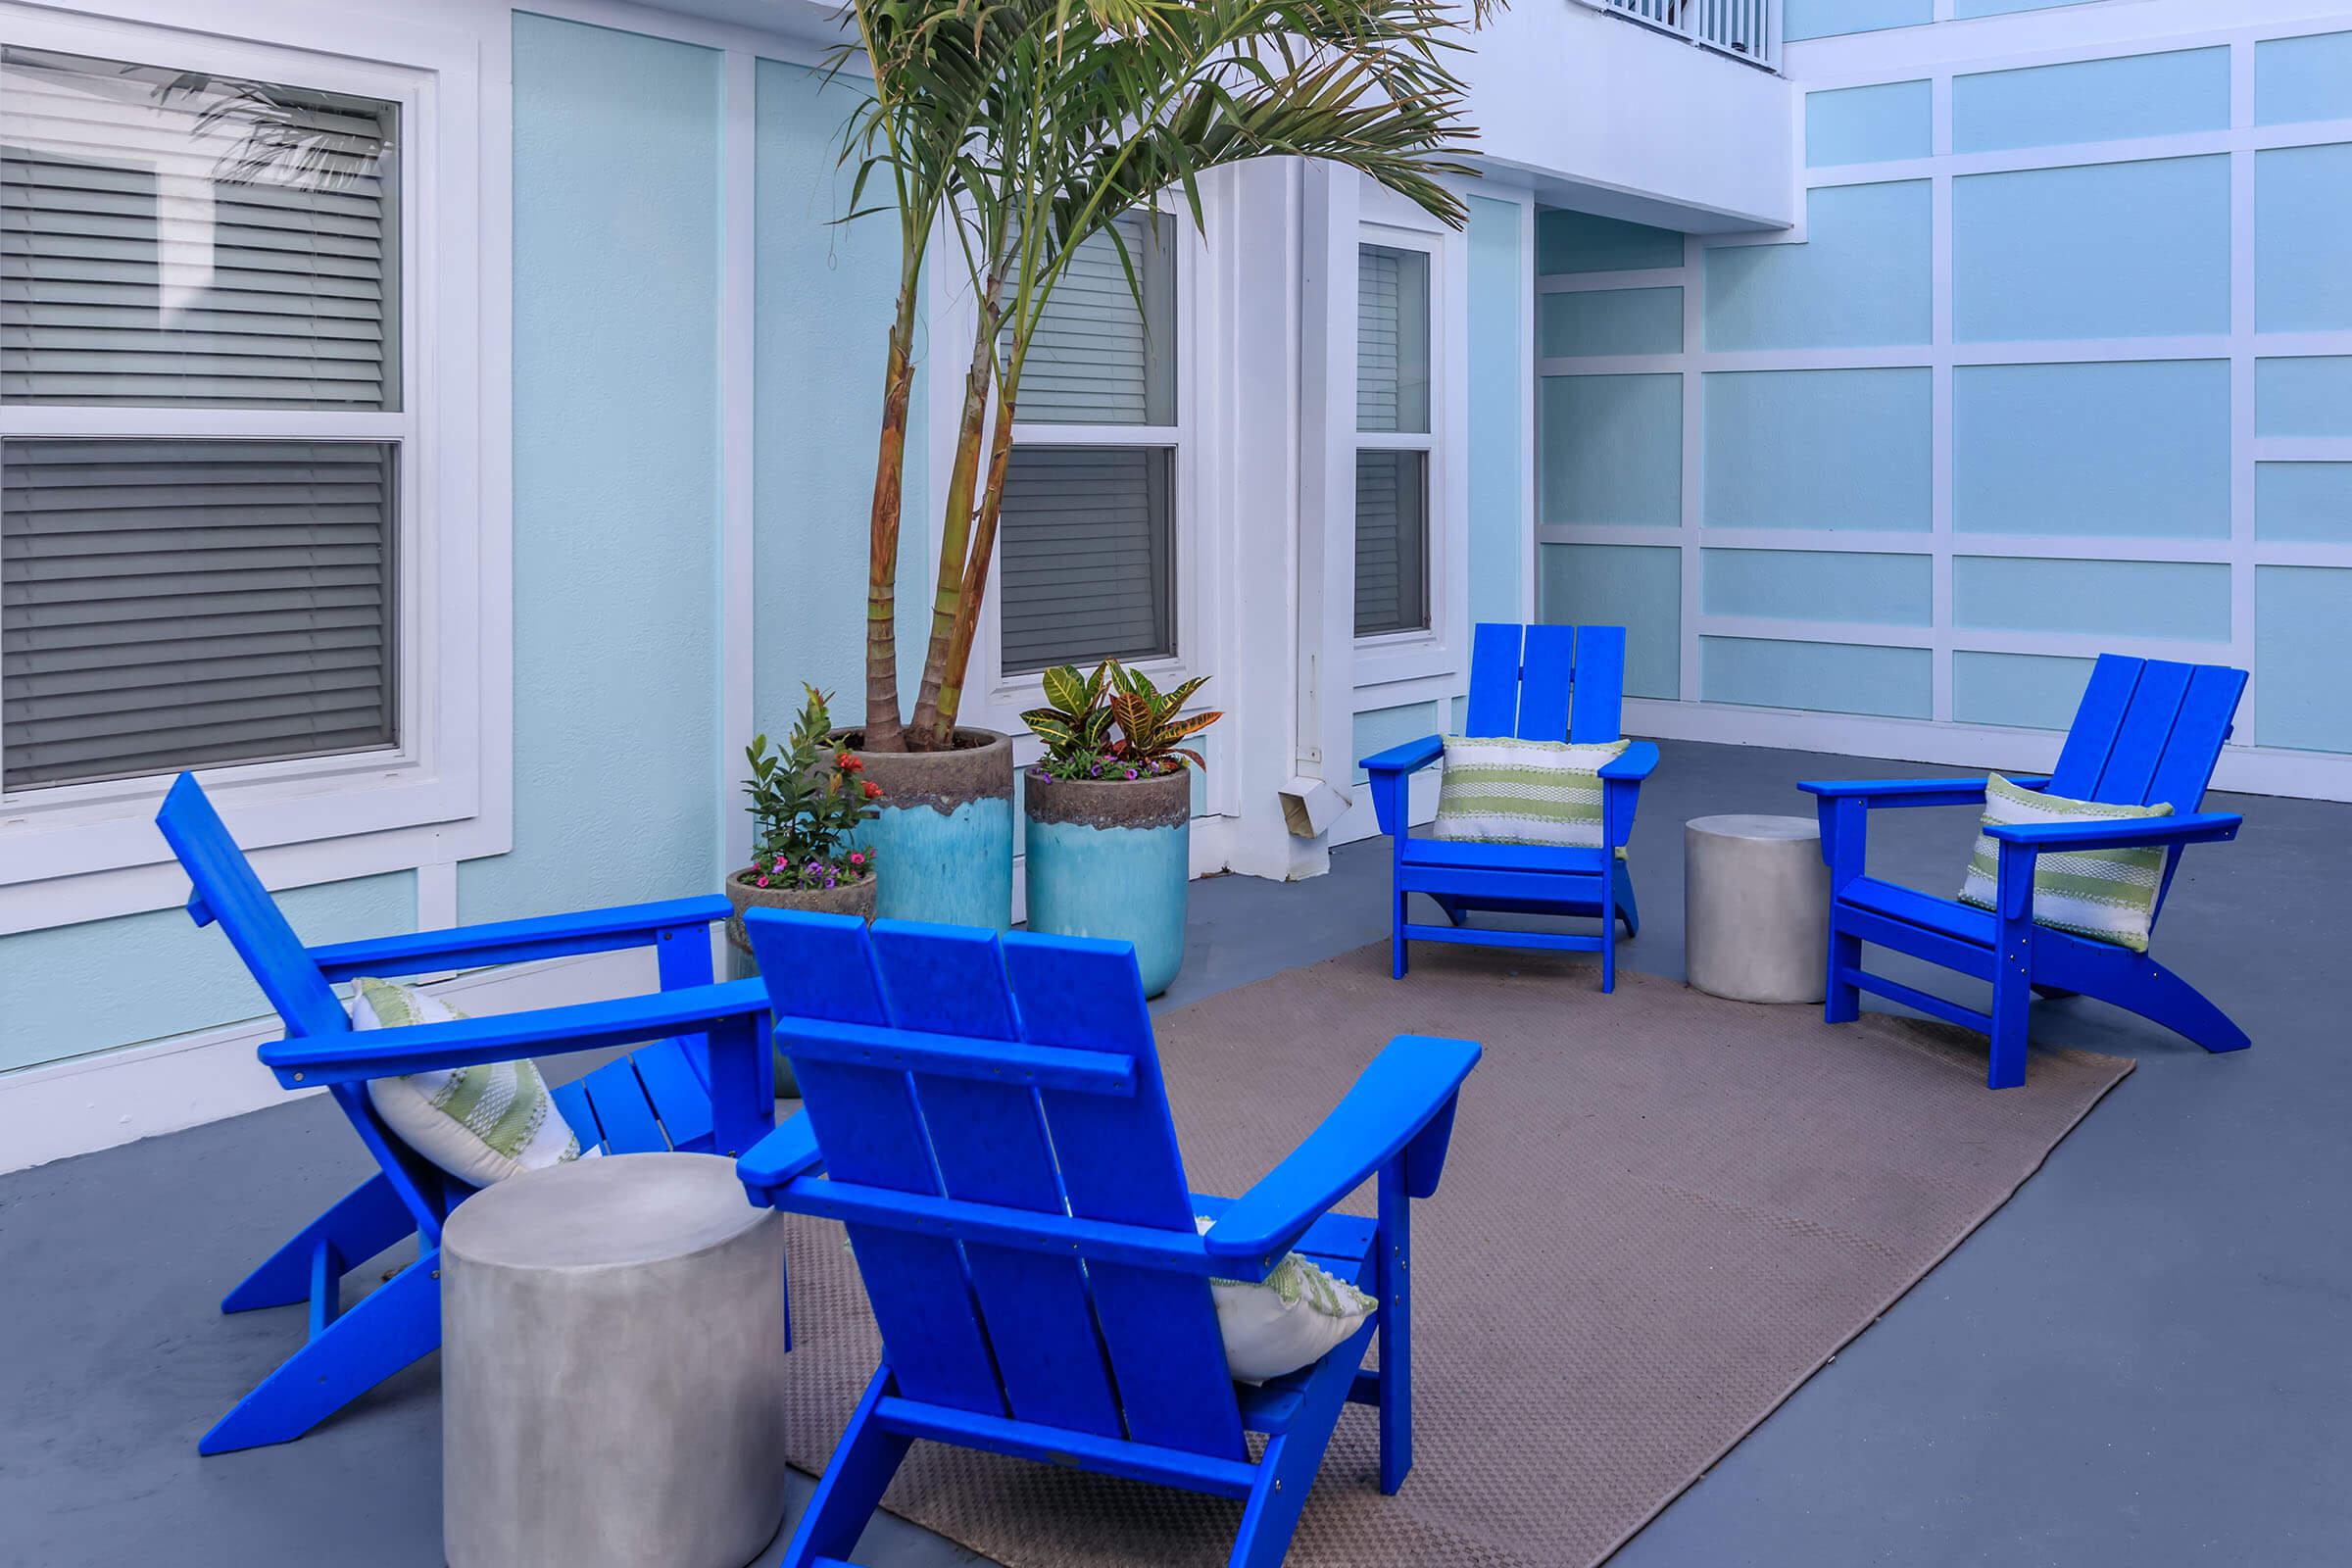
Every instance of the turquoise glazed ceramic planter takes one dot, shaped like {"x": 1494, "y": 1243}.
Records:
{"x": 1113, "y": 860}
{"x": 942, "y": 839}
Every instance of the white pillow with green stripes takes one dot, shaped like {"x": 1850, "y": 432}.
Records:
{"x": 1498, "y": 789}
{"x": 1294, "y": 1317}
{"x": 2109, "y": 895}
{"x": 481, "y": 1124}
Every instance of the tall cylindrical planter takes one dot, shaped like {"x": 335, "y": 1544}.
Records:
{"x": 943, "y": 839}
{"x": 1113, "y": 858}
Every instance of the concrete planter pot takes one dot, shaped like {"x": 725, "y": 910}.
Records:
{"x": 942, "y": 839}
{"x": 1113, "y": 858}
{"x": 850, "y": 898}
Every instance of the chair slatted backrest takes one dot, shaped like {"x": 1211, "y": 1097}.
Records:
{"x": 228, "y": 891}
{"x": 1546, "y": 683}
{"x": 2148, "y": 732}
{"x": 1114, "y": 1350}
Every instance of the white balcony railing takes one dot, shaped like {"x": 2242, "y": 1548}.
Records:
{"x": 1745, "y": 30}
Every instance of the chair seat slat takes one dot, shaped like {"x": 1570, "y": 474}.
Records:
{"x": 622, "y": 1110}
{"x": 678, "y": 1095}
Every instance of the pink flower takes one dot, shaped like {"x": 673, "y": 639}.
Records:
{"x": 856, "y": 859}
{"x": 763, "y": 881}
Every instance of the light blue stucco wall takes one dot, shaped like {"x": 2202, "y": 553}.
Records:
{"x": 1827, "y": 420}
{"x": 72, "y": 990}
{"x": 617, "y": 170}
{"x": 825, "y": 293}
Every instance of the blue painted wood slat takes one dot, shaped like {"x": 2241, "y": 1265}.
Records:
{"x": 1494, "y": 705}
{"x": 1598, "y": 714}
{"x": 1546, "y": 670}
{"x": 866, "y": 1121}
{"x": 1119, "y": 1161}
{"x": 990, "y": 1142}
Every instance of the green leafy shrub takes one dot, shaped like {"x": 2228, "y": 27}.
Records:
{"x": 805, "y": 799}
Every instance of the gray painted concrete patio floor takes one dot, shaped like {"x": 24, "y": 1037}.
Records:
{"x": 2141, "y": 1360}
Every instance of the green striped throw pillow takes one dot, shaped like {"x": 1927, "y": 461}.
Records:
{"x": 2109, "y": 895}
{"x": 482, "y": 1123}
{"x": 1501, "y": 790}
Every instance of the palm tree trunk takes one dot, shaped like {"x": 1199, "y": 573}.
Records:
{"x": 925, "y": 732}
{"x": 975, "y": 572}
{"x": 883, "y": 731}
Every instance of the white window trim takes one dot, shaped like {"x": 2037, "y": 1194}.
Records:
{"x": 76, "y": 852}
{"x": 1426, "y": 661}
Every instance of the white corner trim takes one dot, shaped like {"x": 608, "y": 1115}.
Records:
{"x": 112, "y": 1098}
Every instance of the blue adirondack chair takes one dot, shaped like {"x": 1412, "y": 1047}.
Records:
{"x": 1522, "y": 682}
{"x": 2146, "y": 732}
{"x": 996, "y": 1137}
{"x": 710, "y": 1037}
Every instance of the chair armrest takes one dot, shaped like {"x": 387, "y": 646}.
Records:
{"x": 788, "y": 1153}
{"x": 1635, "y": 763}
{"x": 632, "y": 925}
{"x": 305, "y": 1061}
{"x": 1409, "y": 1088}
{"x": 1910, "y": 790}
{"x": 1409, "y": 757}
{"x": 2120, "y": 833}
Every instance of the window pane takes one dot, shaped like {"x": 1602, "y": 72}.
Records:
{"x": 1095, "y": 359}
{"x": 1391, "y": 542}
{"x": 1391, "y": 339}
{"x": 177, "y": 604}
{"x": 181, "y": 239}
{"x": 1085, "y": 555}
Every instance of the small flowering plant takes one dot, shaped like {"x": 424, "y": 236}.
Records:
{"x": 1115, "y": 724}
{"x": 805, "y": 799}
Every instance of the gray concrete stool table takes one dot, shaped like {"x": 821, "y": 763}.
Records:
{"x": 612, "y": 1368}
{"x": 1756, "y": 907}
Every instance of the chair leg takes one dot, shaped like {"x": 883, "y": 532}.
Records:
{"x": 1844, "y": 1004}
{"x": 2010, "y": 995}
{"x": 1286, "y": 1471}
{"x": 365, "y": 1221}
{"x": 1621, "y": 889}
{"x": 1397, "y": 964}
{"x": 1609, "y": 952}
{"x": 852, "y": 1487}
{"x": 2162, "y": 997}
{"x": 390, "y": 1328}
{"x": 1395, "y": 1276}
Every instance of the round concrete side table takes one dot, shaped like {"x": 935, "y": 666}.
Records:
{"x": 612, "y": 1368}
{"x": 1756, "y": 907}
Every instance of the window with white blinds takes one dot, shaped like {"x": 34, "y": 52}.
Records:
{"x": 179, "y": 589}
{"x": 1084, "y": 556}
{"x": 1393, "y": 440}
{"x": 169, "y": 604}
{"x": 1101, "y": 353}
{"x": 1087, "y": 542}
{"x": 173, "y": 239}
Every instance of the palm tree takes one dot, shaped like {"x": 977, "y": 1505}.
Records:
{"x": 1073, "y": 112}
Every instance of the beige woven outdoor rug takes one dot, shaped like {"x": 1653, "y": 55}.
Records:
{"x": 1662, "y": 1214}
